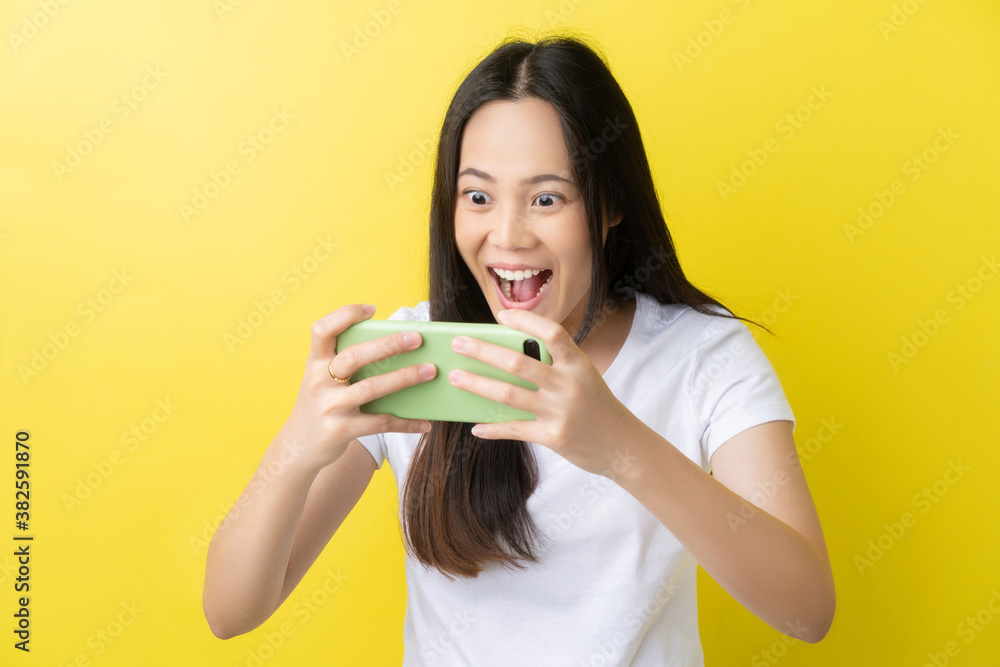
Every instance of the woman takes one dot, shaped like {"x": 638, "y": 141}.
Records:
{"x": 574, "y": 538}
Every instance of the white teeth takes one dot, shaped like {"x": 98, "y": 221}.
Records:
{"x": 516, "y": 275}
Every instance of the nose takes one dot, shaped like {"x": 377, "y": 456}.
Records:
{"x": 511, "y": 231}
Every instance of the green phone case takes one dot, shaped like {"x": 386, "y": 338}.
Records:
{"x": 438, "y": 399}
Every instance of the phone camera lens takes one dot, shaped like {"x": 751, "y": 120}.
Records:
{"x": 531, "y": 349}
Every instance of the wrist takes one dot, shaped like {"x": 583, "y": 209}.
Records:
{"x": 292, "y": 455}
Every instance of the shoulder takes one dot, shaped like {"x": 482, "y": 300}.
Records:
{"x": 686, "y": 330}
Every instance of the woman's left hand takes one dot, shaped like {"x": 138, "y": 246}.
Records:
{"x": 576, "y": 414}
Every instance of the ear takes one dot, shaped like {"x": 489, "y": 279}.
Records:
{"x": 611, "y": 221}
{"x": 612, "y": 218}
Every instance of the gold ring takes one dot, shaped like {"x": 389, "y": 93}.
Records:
{"x": 340, "y": 380}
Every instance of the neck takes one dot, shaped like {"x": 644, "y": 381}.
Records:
{"x": 611, "y": 327}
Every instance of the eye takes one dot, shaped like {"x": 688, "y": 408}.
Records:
{"x": 477, "y": 197}
{"x": 549, "y": 197}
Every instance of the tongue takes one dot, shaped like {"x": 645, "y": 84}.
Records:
{"x": 525, "y": 290}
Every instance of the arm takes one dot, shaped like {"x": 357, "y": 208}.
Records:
{"x": 309, "y": 479}
{"x": 773, "y": 562}
{"x": 274, "y": 533}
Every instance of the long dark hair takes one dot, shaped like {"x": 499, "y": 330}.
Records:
{"x": 464, "y": 498}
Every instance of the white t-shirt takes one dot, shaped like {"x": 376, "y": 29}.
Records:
{"x": 613, "y": 585}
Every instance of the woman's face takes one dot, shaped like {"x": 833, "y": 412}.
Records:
{"x": 518, "y": 208}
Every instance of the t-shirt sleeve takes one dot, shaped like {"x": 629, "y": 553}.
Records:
{"x": 733, "y": 386}
{"x": 375, "y": 443}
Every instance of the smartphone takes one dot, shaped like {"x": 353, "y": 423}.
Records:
{"x": 438, "y": 399}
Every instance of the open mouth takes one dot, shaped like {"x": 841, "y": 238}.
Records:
{"x": 521, "y": 289}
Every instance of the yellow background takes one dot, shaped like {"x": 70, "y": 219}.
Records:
{"x": 776, "y": 249}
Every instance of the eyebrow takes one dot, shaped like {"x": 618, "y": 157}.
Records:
{"x": 541, "y": 178}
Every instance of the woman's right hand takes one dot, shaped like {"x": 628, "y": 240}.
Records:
{"x": 327, "y": 415}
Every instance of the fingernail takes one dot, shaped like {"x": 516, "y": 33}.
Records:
{"x": 456, "y": 375}
{"x": 410, "y": 338}
{"x": 368, "y": 308}
{"x": 426, "y": 426}
{"x": 458, "y": 343}
{"x": 426, "y": 370}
